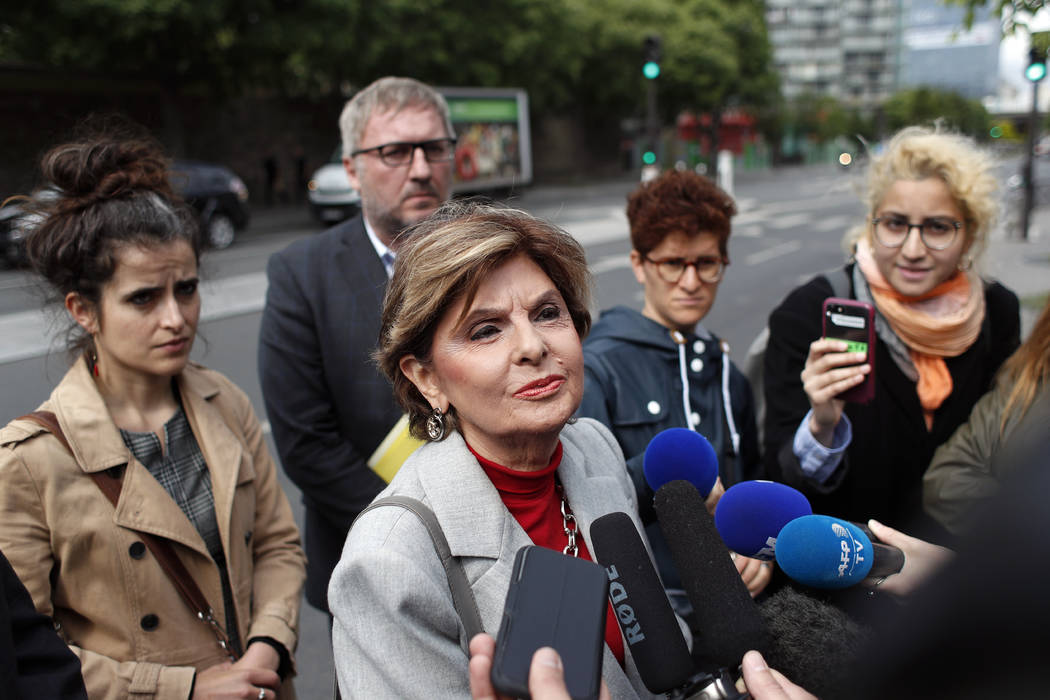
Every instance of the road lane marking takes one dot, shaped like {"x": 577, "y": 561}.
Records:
{"x": 772, "y": 253}
{"x": 610, "y": 263}
{"x": 831, "y": 223}
{"x": 29, "y": 334}
{"x": 790, "y": 221}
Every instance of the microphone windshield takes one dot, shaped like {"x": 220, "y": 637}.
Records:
{"x": 751, "y": 514}
{"x": 824, "y": 552}
{"x": 649, "y": 626}
{"x": 727, "y": 617}
{"x": 679, "y": 453}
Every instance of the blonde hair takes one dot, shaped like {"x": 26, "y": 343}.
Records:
{"x": 916, "y": 153}
{"x": 445, "y": 258}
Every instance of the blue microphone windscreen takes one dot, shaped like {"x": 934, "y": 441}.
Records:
{"x": 751, "y": 514}
{"x": 679, "y": 453}
{"x": 824, "y": 552}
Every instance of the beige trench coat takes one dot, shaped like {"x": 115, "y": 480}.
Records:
{"x": 83, "y": 562}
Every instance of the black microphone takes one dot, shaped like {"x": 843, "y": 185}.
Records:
{"x": 728, "y": 619}
{"x": 647, "y": 621}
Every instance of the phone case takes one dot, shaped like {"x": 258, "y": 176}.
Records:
{"x": 854, "y": 322}
{"x": 558, "y": 601}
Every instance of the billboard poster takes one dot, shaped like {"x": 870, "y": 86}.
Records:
{"x": 493, "y": 146}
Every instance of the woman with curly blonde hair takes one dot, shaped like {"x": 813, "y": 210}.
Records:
{"x": 941, "y": 334}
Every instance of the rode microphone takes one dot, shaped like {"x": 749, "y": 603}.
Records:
{"x": 649, "y": 626}
{"x": 825, "y": 552}
{"x": 679, "y": 453}
{"x": 751, "y": 514}
{"x": 727, "y": 617}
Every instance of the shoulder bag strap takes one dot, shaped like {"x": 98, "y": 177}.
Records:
{"x": 162, "y": 550}
{"x": 462, "y": 596}
{"x": 839, "y": 280}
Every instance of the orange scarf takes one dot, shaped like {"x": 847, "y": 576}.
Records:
{"x": 942, "y": 323}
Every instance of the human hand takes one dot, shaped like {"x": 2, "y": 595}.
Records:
{"x": 716, "y": 493}
{"x": 755, "y": 573}
{"x": 226, "y": 681}
{"x": 921, "y": 559}
{"x": 546, "y": 675}
{"x": 828, "y": 372}
{"x": 259, "y": 655}
{"x": 765, "y": 683}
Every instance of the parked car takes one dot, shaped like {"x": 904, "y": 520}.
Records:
{"x": 12, "y": 234}
{"x": 219, "y": 197}
{"x": 331, "y": 197}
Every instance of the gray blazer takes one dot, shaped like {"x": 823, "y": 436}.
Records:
{"x": 396, "y": 633}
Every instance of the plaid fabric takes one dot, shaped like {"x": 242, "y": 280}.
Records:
{"x": 182, "y": 471}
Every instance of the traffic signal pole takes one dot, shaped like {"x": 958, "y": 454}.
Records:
{"x": 652, "y": 52}
{"x": 1029, "y": 186}
{"x": 652, "y": 124}
{"x": 1035, "y": 72}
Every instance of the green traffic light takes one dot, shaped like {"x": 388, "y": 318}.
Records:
{"x": 648, "y": 157}
{"x": 996, "y": 132}
{"x": 651, "y": 70}
{"x": 1035, "y": 71}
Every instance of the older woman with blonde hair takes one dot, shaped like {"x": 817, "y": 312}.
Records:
{"x": 481, "y": 339}
{"x": 942, "y": 333}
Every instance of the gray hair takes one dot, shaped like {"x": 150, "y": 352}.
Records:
{"x": 388, "y": 94}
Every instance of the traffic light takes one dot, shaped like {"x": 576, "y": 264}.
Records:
{"x": 1036, "y": 69}
{"x": 996, "y": 132}
{"x": 652, "y": 54}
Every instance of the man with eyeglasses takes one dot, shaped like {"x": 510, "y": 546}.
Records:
{"x": 328, "y": 406}
{"x": 660, "y": 368}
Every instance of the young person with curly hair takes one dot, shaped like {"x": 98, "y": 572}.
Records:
{"x": 658, "y": 368}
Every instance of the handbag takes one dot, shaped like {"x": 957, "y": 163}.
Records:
{"x": 161, "y": 549}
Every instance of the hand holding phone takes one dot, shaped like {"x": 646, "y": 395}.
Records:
{"x": 853, "y": 322}
{"x": 554, "y": 601}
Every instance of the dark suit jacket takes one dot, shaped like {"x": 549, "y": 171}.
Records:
{"x": 34, "y": 661}
{"x": 328, "y": 405}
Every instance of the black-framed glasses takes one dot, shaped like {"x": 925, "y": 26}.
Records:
{"x": 401, "y": 152}
{"x": 709, "y": 268}
{"x": 936, "y": 233}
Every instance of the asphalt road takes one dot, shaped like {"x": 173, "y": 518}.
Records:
{"x": 788, "y": 230}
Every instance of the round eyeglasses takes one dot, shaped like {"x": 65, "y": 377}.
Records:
{"x": 936, "y": 233}
{"x": 401, "y": 153}
{"x": 709, "y": 268}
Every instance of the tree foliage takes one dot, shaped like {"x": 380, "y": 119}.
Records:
{"x": 1013, "y": 14}
{"x": 579, "y": 55}
{"x": 924, "y": 105}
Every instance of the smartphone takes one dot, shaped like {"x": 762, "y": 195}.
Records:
{"x": 556, "y": 601}
{"x": 853, "y": 322}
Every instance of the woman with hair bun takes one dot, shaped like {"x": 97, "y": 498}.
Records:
{"x": 141, "y": 457}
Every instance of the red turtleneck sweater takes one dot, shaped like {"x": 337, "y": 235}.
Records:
{"x": 533, "y": 499}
